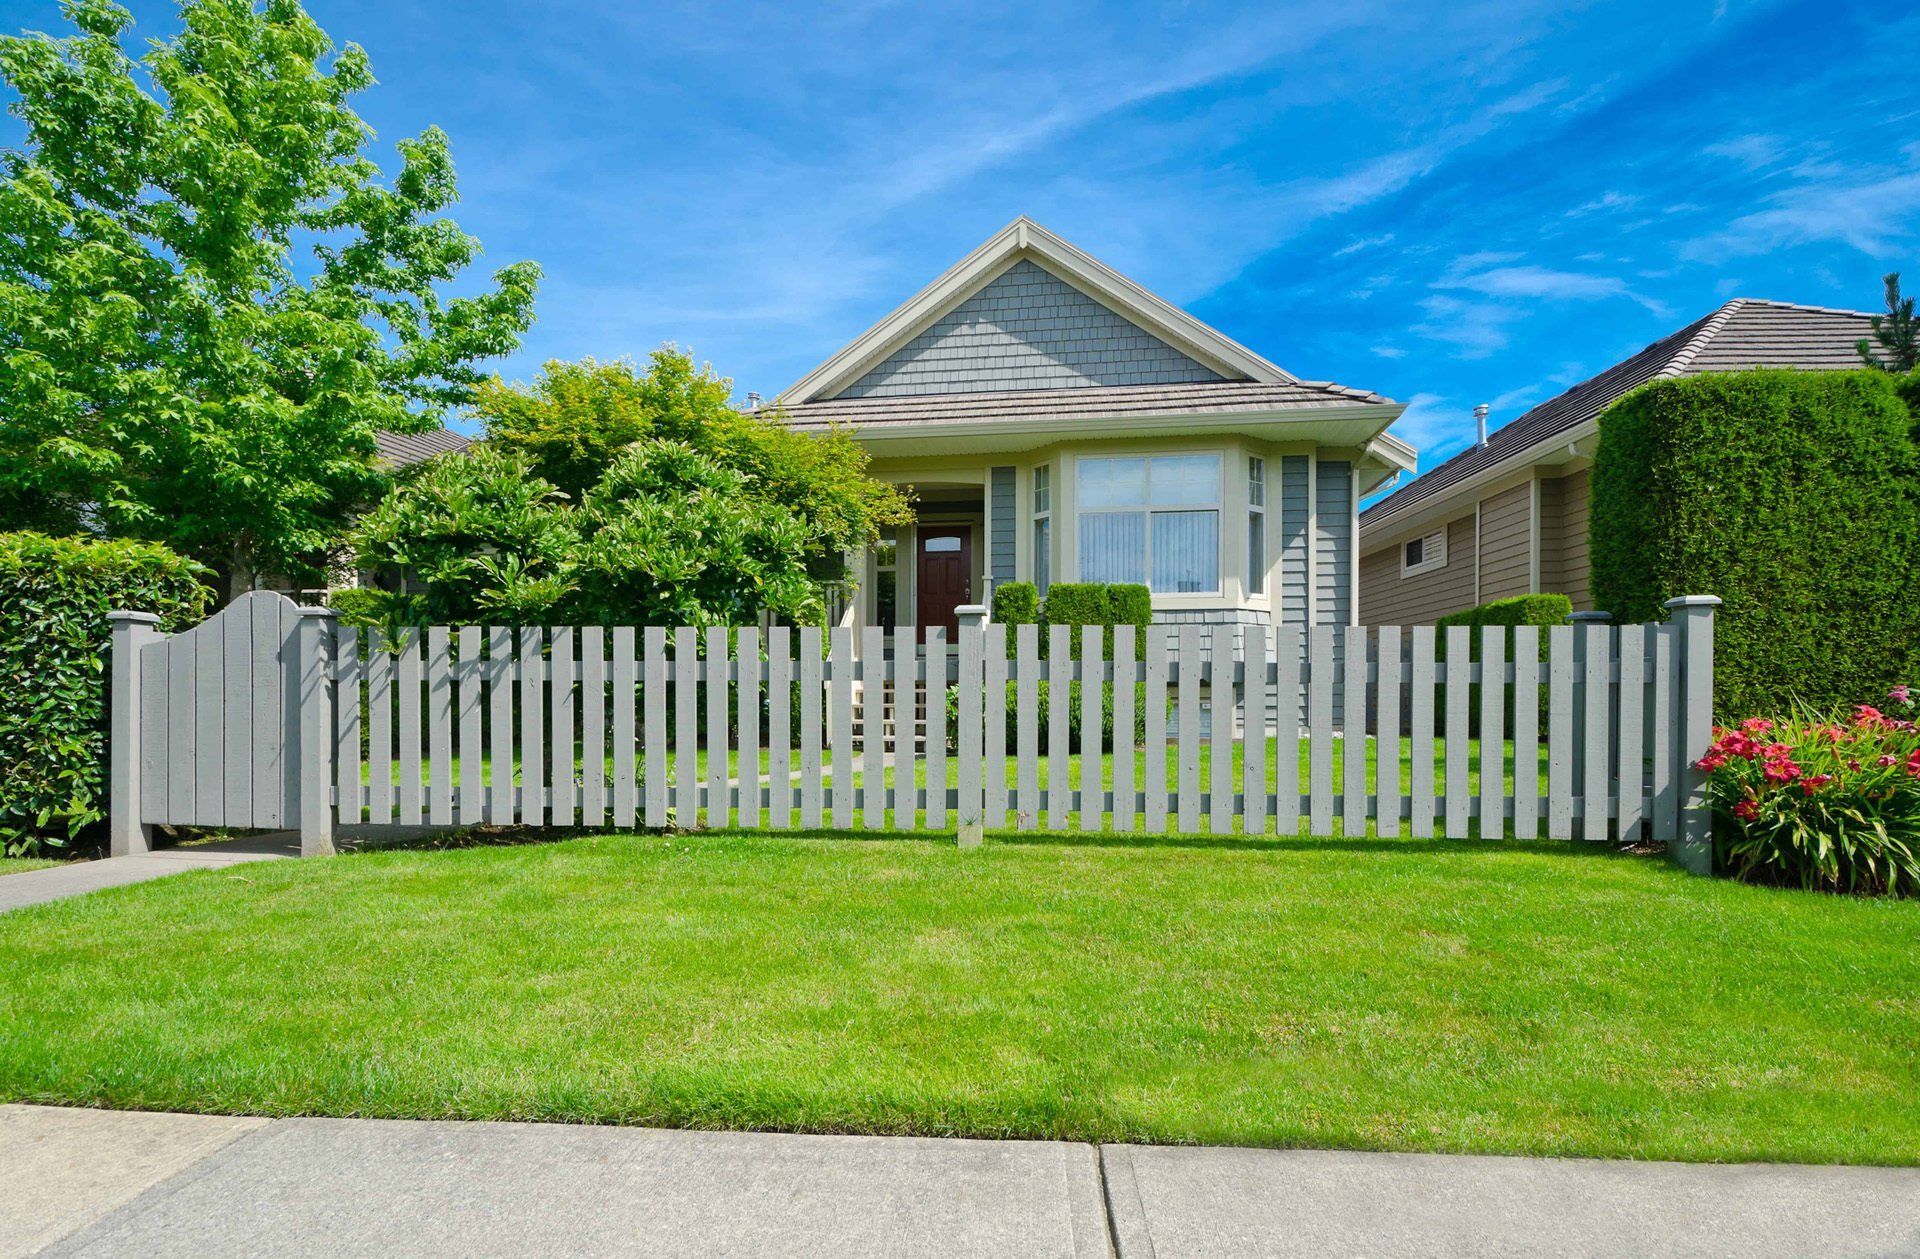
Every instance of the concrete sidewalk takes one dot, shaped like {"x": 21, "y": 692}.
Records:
{"x": 102, "y": 1183}
{"x": 77, "y": 878}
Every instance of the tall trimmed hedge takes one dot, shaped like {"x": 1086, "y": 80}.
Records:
{"x": 55, "y": 594}
{"x": 1794, "y": 497}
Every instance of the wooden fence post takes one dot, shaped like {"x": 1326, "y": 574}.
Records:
{"x": 1693, "y": 614}
{"x": 130, "y": 631}
{"x": 313, "y": 641}
{"x": 970, "y": 815}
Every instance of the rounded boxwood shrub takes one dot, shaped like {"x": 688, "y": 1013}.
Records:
{"x": 55, "y": 594}
{"x": 1794, "y": 497}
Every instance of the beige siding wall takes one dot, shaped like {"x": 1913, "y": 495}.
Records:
{"x": 1505, "y": 529}
{"x": 1575, "y": 493}
{"x": 1387, "y": 598}
{"x": 1563, "y": 538}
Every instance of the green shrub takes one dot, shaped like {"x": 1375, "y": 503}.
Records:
{"x": 1539, "y": 610}
{"x": 1017, "y": 603}
{"x": 55, "y": 594}
{"x": 1819, "y": 802}
{"x": 1078, "y": 604}
{"x": 1790, "y": 495}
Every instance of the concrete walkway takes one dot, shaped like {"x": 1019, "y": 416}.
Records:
{"x": 77, "y": 878}
{"x": 103, "y": 1183}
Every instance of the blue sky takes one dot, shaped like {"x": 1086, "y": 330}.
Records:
{"x": 1447, "y": 203}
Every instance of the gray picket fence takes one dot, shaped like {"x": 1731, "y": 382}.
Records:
{"x": 273, "y": 715}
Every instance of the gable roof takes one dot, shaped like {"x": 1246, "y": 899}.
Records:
{"x": 1025, "y": 240}
{"x": 1744, "y": 333}
{"x": 398, "y": 450}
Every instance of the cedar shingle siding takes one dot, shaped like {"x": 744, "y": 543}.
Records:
{"x": 1027, "y": 329}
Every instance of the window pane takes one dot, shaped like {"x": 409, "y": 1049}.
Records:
{"x": 1112, "y": 483}
{"x": 1186, "y": 481}
{"x": 1186, "y": 552}
{"x": 1113, "y": 546}
{"x": 940, "y": 546}
{"x": 1256, "y": 553}
{"x": 1042, "y": 554}
{"x": 886, "y": 553}
{"x": 886, "y": 611}
{"x": 1256, "y": 482}
{"x": 1415, "y": 551}
{"x": 1042, "y": 489}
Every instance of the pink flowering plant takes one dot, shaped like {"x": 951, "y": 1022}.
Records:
{"x": 1818, "y": 801}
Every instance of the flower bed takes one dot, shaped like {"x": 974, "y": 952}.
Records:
{"x": 1820, "y": 802}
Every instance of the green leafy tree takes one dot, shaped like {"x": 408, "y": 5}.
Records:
{"x": 1895, "y": 344}
{"x": 575, "y": 419}
{"x": 480, "y": 538}
{"x": 673, "y": 537}
{"x": 210, "y": 301}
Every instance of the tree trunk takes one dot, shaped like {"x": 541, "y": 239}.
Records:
{"x": 240, "y": 571}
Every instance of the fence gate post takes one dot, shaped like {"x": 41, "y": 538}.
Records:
{"x": 130, "y": 631}
{"x": 1693, "y": 720}
{"x": 313, "y": 645}
{"x": 970, "y": 815}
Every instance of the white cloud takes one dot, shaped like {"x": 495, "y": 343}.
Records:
{"x": 1365, "y": 242}
{"x": 1472, "y": 274}
{"x": 1477, "y": 328}
{"x": 1389, "y": 351}
{"x": 1873, "y": 212}
{"x": 1609, "y": 200}
{"x": 1750, "y": 151}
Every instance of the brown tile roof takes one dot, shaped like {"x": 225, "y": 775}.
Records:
{"x": 397, "y": 450}
{"x": 1744, "y": 333}
{"x": 1096, "y": 402}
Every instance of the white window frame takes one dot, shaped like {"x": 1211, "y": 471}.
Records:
{"x": 1042, "y": 515}
{"x": 1148, "y": 511}
{"x": 1256, "y": 577}
{"x": 1433, "y": 553}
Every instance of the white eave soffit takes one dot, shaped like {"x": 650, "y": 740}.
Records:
{"x": 1023, "y": 238}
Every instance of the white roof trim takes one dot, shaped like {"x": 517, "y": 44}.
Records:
{"x": 1023, "y": 238}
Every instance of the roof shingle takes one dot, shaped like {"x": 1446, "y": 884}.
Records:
{"x": 398, "y": 450}
{"x": 1744, "y": 333}
{"x": 1201, "y": 398}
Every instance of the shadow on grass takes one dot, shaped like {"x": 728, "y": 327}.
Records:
{"x": 523, "y": 836}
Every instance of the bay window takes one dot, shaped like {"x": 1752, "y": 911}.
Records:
{"x": 1256, "y": 526}
{"x": 1042, "y": 527}
{"x": 1153, "y": 520}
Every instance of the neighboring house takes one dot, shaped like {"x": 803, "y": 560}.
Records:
{"x": 1060, "y": 423}
{"x": 400, "y": 450}
{"x": 1508, "y": 516}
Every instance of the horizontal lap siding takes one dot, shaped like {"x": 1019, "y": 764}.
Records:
{"x": 1505, "y": 529}
{"x": 1333, "y": 566}
{"x": 1387, "y": 598}
{"x": 1001, "y": 537}
{"x": 1575, "y": 493}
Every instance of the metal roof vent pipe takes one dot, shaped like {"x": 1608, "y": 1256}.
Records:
{"x": 753, "y": 402}
{"x": 1480, "y": 423}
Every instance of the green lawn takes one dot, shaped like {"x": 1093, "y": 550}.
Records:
{"x": 1533, "y": 998}
{"x": 20, "y": 865}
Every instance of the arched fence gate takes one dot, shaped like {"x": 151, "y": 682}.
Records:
{"x": 271, "y": 715}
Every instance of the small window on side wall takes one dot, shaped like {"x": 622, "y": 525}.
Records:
{"x": 1423, "y": 554}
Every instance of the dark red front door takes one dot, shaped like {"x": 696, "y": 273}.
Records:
{"x": 946, "y": 576}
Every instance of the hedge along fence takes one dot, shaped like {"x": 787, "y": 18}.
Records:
{"x": 55, "y": 594}
{"x": 1073, "y": 604}
{"x": 1796, "y": 496}
{"x": 1540, "y": 610}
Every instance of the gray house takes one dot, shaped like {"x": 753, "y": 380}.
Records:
{"x": 1060, "y": 423}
